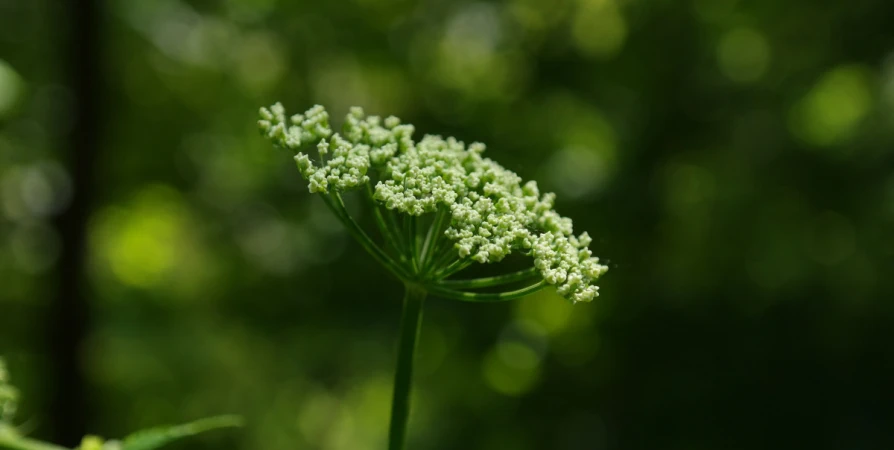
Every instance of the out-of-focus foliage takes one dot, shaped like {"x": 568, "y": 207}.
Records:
{"x": 733, "y": 161}
{"x": 12, "y": 438}
{"x": 9, "y": 397}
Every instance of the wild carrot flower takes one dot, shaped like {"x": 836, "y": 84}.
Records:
{"x": 439, "y": 207}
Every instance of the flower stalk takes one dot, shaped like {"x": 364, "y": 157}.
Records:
{"x": 410, "y": 326}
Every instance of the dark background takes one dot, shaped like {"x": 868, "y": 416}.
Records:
{"x": 160, "y": 262}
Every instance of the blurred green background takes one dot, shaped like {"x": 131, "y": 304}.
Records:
{"x": 733, "y": 160}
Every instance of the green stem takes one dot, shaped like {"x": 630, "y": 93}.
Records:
{"x": 498, "y": 280}
{"x": 410, "y": 323}
{"x": 395, "y": 228}
{"x": 413, "y": 240}
{"x": 454, "y": 267}
{"x": 385, "y": 230}
{"x": 481, "y": 297}
{"x": 432, "y": 238}
{"x": 337, "y": 205}
{"x": 445, "y": 255}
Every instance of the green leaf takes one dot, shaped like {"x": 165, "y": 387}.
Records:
{"x": 157, "y": 437}
{"x": 10, "y": 441}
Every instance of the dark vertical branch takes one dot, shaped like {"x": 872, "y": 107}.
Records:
{"x": 69, "y": 315}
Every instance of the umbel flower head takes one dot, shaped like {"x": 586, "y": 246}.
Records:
{"x": 474, "y": 210}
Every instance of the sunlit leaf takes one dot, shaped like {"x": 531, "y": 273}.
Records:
{"x": 157, "y": 437}
{"x": 9, "y": 440}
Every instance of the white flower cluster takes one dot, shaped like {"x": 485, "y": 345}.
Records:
{"x": 310, "y": 126}
{"x": 565, "y": 260}
{"x": 492, "y": 213}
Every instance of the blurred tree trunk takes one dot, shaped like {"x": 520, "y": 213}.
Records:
{"x": 69, "y": 313}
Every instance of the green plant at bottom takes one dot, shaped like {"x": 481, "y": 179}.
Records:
{"x": 150, "y": 439}
{"x": 439, "y": 206}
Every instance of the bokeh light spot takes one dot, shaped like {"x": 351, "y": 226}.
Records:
{"x": 317, "y": 412}
{"x": 599, "y": 29}
{"x": 518, "y": 355}
{"x": 260, "y": 62}
{"x": 370, "y": 402}
{"x": 534, "y": 15}
{"x": 342, "y": 81}
{"x": 588, "y": 157}
{"x": 577, "y": 171}
{"x": 37, "y": 190}
{"x": 547, "y": 309}
{"x": 832, "y": 110}
{"x": 46, "y": 188}
{"x": 472, "y": 56}
{"x": 508, "y": 379}
{"x": 142, "y": 251}
{"x": 743, "y": 55}
{"x": 150, "y": 243}
{"x": 268, "y": 242}
{"x": 10, "y": 88}
{"x": 513, "y": 365}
